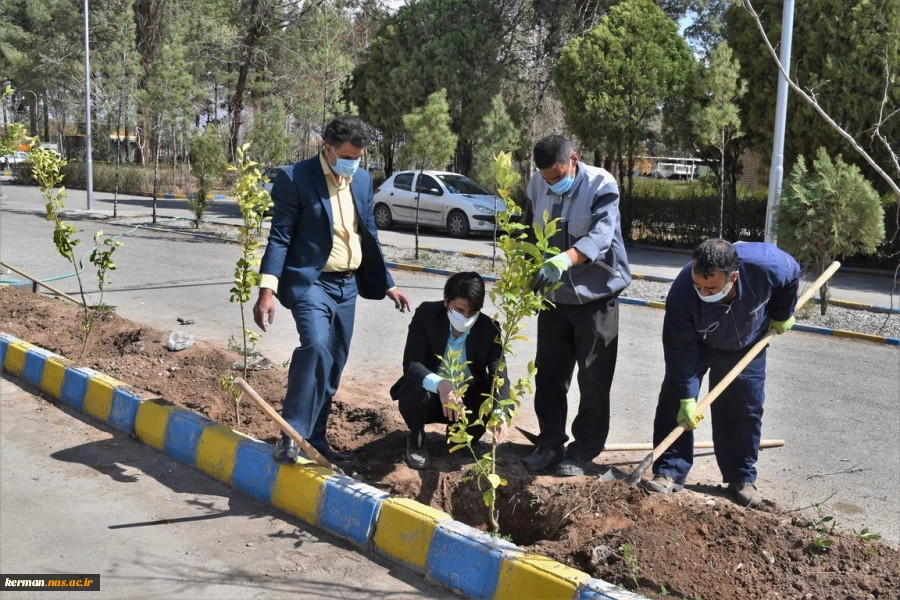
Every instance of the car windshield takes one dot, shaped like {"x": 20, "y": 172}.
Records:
{"x": 460, "y": 184}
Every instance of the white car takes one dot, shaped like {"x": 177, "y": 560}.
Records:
{"x": 448, "y": 201}
{"x": 15, "y": 158}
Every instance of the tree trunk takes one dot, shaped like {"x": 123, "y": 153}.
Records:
{"x": 32, "y": 116}
{"x": 465, "y": 157}
{"x": 254, "y": 20}
{"x": 823, "y": 294}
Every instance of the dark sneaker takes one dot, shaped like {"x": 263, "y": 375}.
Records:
{"x": 663, "y": 484}
{"x": 573, "y": 467}
{"x": 417, "y": 456}
{"x": 543, "y": 458}
{"x": 745, "y": 494}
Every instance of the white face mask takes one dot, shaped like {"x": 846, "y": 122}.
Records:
{"x": 459, "y": 322}
{"x": 716, "y": 297}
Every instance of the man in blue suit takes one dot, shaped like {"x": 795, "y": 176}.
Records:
{"x": 323, "y": 251}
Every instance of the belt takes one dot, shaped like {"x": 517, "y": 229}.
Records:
{"x": 341, "y": 274}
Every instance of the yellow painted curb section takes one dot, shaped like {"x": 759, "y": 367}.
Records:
{"x": 410, "y": 267}
{"x": 151, "y": 421}
{"x": 654, "y": 304}
{"x": 14, "y": 362}
{"x": 298, "y": 490}
{"x": 533, "y": 576}
{"x": 217, "y": 450}
{"x": 405, "y": 528}
{"x": 854, "y": 334}
{"x": 53, "y": 376}
{"x": 98, "y": 398}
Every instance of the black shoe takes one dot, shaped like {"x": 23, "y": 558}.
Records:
{"x": 286, "y": 452}
{"x": 573, "y": 466}
{"x": 543, "y": 458}
{"x": 333, "y": 456}
{"x": 417, "y": 456}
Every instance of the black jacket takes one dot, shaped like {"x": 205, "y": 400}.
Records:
{"x": 427, "y": 339}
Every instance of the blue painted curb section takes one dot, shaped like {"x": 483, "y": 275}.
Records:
{"x": 158, "y": 195}
{"x": 449, "y": 553}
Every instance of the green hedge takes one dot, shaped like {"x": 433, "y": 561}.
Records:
{"x": 682, "y": 215}
{"x": 132, "y": 178}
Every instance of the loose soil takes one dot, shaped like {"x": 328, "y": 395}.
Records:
{"x": 688, "y": 545}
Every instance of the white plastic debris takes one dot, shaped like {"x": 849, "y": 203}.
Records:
{"x": 179, "y": 340}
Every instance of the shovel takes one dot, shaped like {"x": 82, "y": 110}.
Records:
{"x": 286, "y": 427}
{"x": 635, "y": 476}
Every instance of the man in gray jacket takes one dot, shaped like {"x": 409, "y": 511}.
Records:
{"x": 583, "y": 326}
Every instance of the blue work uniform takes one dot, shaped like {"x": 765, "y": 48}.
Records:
{"x": 702, "y": 336}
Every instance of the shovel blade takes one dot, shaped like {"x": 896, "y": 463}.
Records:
{"x": 614, "y": 474}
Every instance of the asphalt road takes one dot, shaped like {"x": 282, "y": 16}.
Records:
{"x": 835, "y": 401}
{"x": 858, "y": 287}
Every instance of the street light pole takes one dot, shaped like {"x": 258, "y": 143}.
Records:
{"x": 776, "y": 171}
{"x": 87, "y": 104}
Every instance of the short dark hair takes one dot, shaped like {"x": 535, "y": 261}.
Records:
{"x": 347, "y": 128}
{"x": 552, "y": 150}
{"x": 468, "y": 286}
{"x": 713, "y": 254}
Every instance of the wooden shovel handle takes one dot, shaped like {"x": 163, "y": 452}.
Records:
{"x": 284, "y": 425}
{"x": 732, "y": 375}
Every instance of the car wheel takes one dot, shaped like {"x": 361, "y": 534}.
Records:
{"x": 383, "y": 218}
{"x": 458, "y": 224}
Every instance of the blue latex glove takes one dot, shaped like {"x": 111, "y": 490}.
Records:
{"x": 782, "y": 326}
{"x": 551, "y": 271}
{"x": 686, "y": 413}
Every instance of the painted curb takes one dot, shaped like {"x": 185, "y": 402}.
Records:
{"x": 891, "y": 341}
{"x": 158, "y": 195}
{"x": 449, "y": 553}
{"x": 663, "y": 279}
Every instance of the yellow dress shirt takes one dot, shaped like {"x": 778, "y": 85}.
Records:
{"x": 346, "y": 250}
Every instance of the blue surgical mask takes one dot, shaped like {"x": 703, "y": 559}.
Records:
{"x": 563, "y": 185}
{"x": 344, "y": 167}
{"x": 716, "y": 297}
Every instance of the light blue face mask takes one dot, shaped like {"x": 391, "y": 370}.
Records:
{"x": 563, "y": 185}
{"x": 716, "y": 297}
{"x": 344, "y": 167}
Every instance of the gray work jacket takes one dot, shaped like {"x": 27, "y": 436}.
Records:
{"x": 590, "y": 223}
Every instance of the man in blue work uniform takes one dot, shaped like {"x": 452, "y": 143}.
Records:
{"x": 582, "y": 326}
{"x": 719, "y": 306}
{"x": 323, "y": 251}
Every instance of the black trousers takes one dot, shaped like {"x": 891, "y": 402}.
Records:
{"x": 418, "y": 406}
{"x": 586, "y": 335}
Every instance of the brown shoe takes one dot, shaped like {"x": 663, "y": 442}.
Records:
{"x": 745, "y": 494}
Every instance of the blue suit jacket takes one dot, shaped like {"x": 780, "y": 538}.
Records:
{"x": 302, "y": 233}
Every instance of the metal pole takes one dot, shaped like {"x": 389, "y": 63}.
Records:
{"x": 776, "y": 171}
{"x": 87, "y": 110}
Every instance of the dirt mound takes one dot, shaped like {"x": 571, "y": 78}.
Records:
{"x": 688, "y": 545}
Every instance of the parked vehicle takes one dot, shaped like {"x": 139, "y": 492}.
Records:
{"x": 15, "y": 158}
{"x": 448, "y": 201}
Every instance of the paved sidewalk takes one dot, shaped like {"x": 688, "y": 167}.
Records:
{"x": 80, "y": 498}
